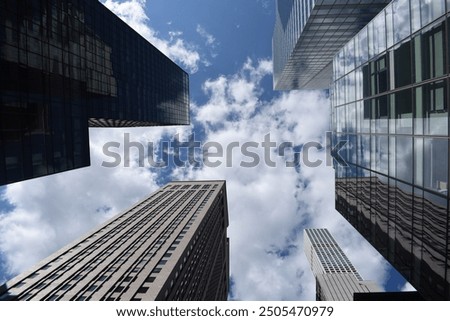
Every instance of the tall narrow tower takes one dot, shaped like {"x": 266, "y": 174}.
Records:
{"x": 171, "y": 246}
{"x": 336, "y": 277}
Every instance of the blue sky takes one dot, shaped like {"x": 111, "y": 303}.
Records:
{"x": 226, "y": 48}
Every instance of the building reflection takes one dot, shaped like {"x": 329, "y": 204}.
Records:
{"x": 406, "y": 225}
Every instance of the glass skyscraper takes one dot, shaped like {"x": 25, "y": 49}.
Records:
{"x": 172, "y": 245}
{"x": 390, "y": 104}
{"x": 336, "y": 277}
{"x": 307, "y": 35}
{"x": 70, "y": 64}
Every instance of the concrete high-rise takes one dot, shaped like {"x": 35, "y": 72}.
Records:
{"x": 390, "y": 91}
{"x": 336, "y": 277}
{"x": 173, "y": 245}
{"x": 307, "y": 35}
{"x": 70, "y": 64}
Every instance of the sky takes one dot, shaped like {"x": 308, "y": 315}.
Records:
{"x": 225, "y": 46}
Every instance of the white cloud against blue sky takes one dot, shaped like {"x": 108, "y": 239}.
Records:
{"x": 232, "y": 102}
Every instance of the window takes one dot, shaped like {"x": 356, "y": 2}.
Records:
{"x": 143, "y": 290}
{"x": 433, "y": 53}
{"x": 402, "y": 65}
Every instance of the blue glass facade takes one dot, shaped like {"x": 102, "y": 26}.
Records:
{"x": 69, "y": 64}
{"x": 390, "y": 103}
{"x": 307, "y": 35}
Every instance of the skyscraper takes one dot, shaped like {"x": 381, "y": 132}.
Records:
{"x": 390, "y": 104}
{"x": 69, "y": 64}
{"x": 307, "y": 35}
{"x": 173, "y": 245}
{"x": 336, "y": 277}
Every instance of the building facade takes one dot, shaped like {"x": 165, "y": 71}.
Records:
{"x": 390, "y": 104}
{"x": 336, "y": 277}
{"x": 173, "y": 245}
{"x": 70, "y": 64}
{"x": 308, "y": 34}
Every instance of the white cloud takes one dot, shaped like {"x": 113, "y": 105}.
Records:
{"x": 209, "y": 38}
{"x": 133, "y": 13}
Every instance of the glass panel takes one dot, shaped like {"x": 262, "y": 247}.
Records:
{"x": 382, "y": 154}
{"x": 419, "y": 111}
{"x": 365, "y": 120}
{"x": 392, "y": 157}
{"x": 415, "y": 16}
{"x": 403, "y": 235}
{"x": 363, "y": 47}
{"x": 389, "y": 26}
{"x": 381, "y": 115}
{"x": 404, "y": 157}
{"x": 351, "y": 87}
{"x": 401, "y": 14}
{"x": 359, "y": 84}
{"x": 417, "y": 54}
{"x": 350, "y": 56}
{"x": 435, "y": 108}
{"x": 364, "y": 151}
{"x": 418, "y": 161}
{"x": 379, "y": 25}
{"x": 431, "y": 10}
{"x": 366, "y": 81}
{"x": 392, "y": 115}
{"x": 402, "y": 62}
{"x": 436, "y": 164}
{"x": 372, "y": 39}
{"x": 403, "y": 112}
{"x": 433, "y": 53}
{"x": 351, "y": 117}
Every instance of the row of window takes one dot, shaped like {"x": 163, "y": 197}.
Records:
{"x": 419, "y": 59}
{"x": 422, "y": 110}
{"x": 397, "y": 21}
{"x": 419, "y": 161}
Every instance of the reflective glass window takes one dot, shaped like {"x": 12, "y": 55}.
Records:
{"x": 365, "y": 116}
{"x": 402, "y": 65}
{"x": 417, "y": 58}
{"x": 404, "y": 158}
{"x": 350, "y": 87}
{"x": 433, "y": 53}
{"x": 436, "y": 164}
{"x": 359, "y": 84}
{"x": 392, "y": 156}
{"x": 349, "y": 56}
{"x": 402, "y": 109}
{"x": 415, "y": 16}
{"x": 364, "y": 150}
{"x": 340, "y": 119}
{"x": 381, "y": 114}
{"x": 418, "y": 161}
{"x": 373, "y": 40}
{"x": 363, "y": 47}
{"x": 389, "y": 26}
{"x": 351, "y": 117}
{"x": 431, "y": 10}
{"x": 379, "y": 24}
{"x": 381, "y": 154}
{"x": 419, "y": 112}
{"x": 401, "y": 14}
{"x": 434, "y": 100}
{"x": 366, "y": 80}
